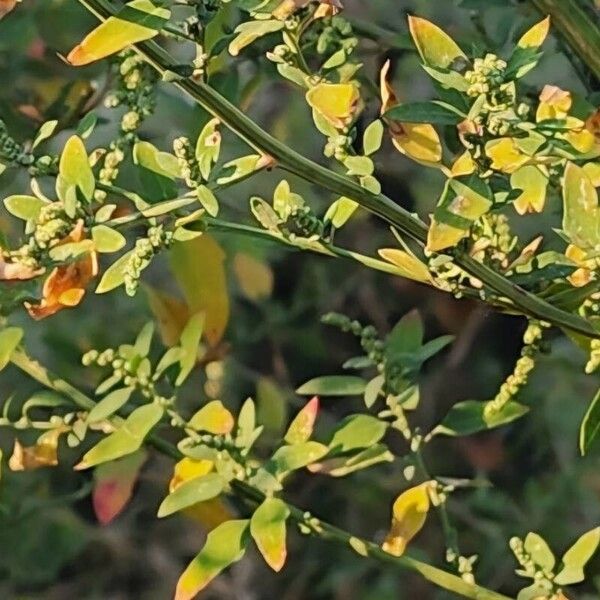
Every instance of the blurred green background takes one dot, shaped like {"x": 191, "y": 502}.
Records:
{"x": 51, "y": 546}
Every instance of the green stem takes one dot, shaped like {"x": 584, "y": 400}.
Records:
{"x": 316, "y": 528}
{"x": 379, "y": 204}
{"x": 579, "y": 29}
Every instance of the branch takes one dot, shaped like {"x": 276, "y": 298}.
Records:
{"x": 316, "y": 527}
{"x": 379, "y": 204}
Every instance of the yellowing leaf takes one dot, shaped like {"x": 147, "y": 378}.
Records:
{"x": 408, "y": 517}
{"x": 463, "y": 165}
{"x": 267, "y": 528}
{"x": 583, "y": 275}
{"x": 592, "y": 170}
{"x": 250, "y": 31}
{"x": 336, "y": 102}
{"x": 505, "y": 155}
{"x": 42, "y": 454}
{"x": 409, "y": 266}
{"x": 214, "y": 418}
{"x": 224, "y": 546}
{"x": 137, "y": 21}
{"x": 74, "y": 169}
{"x": 301, "y": 427}
{"x": 442, "y": 235}
{"x": 199, "y": 270}
{"x": 535, "y": 36}
{"x": 254, "y": 277}
{"x": 171, "y": 314}
{"x": 437, "y": 48}
{"x": 533, "y": 183}
{"x": 583, "y": 141}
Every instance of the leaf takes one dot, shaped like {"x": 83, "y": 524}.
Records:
{"x": 272, "y": 406}
{"x": 214, "y": 418}
{"x": 340, "y": 211}
{"x": 581, "y": 215}
{"x": 533, "y": 184}
{"x": 109, "y": 405}
{"x": 335, "y": 102}
{"x": 224, "y": 546}
{"x": 162, "y": 163}
{"x": 126, "y": 439}
{"x": 408, "y": 517}
{"x": 74, "y": 170}
{"x": 425, "y": 112}
{"x": 246, "y": 425}
{"x": 436, "y": 47}
{"x": 357, "y": 431}
{"x": 360, "y": 166}
{"x": 199, "y": 270}
{"x": 208, "y": 147}
{"x": 372, "y": 137}
{"x": 576, "y": 557}
{"x": 44, "y": 132}
{"x": 113, "y": 485}
{"x": 24, "y": 207}
{"x": 539, "y": 551}
{"x": 302, "y": 426}
{"x": 254, "y": 277}
{"x": 136, "y": 22}
{"x": 535, "y": 36}
{"x": 469, "y": 416}
{"x": 198, "y": 489}
{"x": 10, "y": 337}
{"x": 292, "y": 458}
{"x": 189, "y": 342}
{"x": 333, "y": 385}
{"x": 590, "y": 426}
{"x": 107, "y": 239}
{"x": 114, "y": 276}
{"x": 250, "y": 31}
{"x": 345, "y": 465}
{"x": 171, "y": 314}
{"x": 267, "y": 527}
{"x": 208, "y": 200}
{"x": 408, "y": 264}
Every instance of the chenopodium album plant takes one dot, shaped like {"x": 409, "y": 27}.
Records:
{"x": 506, "y": 154}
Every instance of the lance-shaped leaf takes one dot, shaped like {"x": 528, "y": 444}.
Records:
{"x": 114, "y": 276}
{"x": 126, "y": 439}
{"x": 224, "y": 546}
{"x": 24, "y": 207}
{"x": 590, "y": 426}
{"x": 357, "y": 431}
{"x": 110, "y": 404}
{"x": 408, "y": 517}
{"x": 268, "y": 530}
{"x": 214, "y": 418}
{"x": 10, "y": 337}
{"x": 292, "y": 458}
{"x": 581, "y": 215}
{"x": 198, "y": 489}
{"x": 333, "y": 385}
{"x": 189, "y": 342}
{"x": 74, "y": 170}
{"x": 250, "y": 31}
{"x": 408, "y": 264}
{"x": 576, "y": 557}
{"x": 437, "y": 48}
{"x": 302, "y": 426}
{"x": 113, "y": 485}
{"x": 535, "y": 36}
{"x": 137, "y": 21}
{"x": 345, "y": 465}
{"x": 208, "y": 147}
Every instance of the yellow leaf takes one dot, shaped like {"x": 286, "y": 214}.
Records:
{"x": 214, "y": 418}
{"x": 408, "y": 265}
{"x": 435, "y": 46}
{"x": 583, "y": 141}
{"x": 336, "y": 102}
{"x": 137, "y": 21}
{"x": 535, "y": 36}
{"x": 463, "y": 165}
{"x": 408, "y": 517}
{"x": 583, "y": 275}
{"x": 592, "y": 170}
{"x": 255, "y": 278}
{"x": 505, "y": 155}
{"x": 442, "y": 235}
{"x": 199, "y": 270}
{"x": 533, "y": 183}
{"x": 171, "y": 314}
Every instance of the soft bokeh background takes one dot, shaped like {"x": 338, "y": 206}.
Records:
{"x": 51, "y": 546}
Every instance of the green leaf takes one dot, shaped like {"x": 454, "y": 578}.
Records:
{"x": 539, "y": 551}
{"x": 590, "y": 426}
{"x": 44, "y": 399}
{"x": 449, "y": 79}
{"x": 10, "y": 337}
{"x": 576, "y": 557}
{"x": 469, "y": 416}
{"x": 224, "y": 546}
{"x": 373, "y": 137}
{"x": 436, "y": 47}
{"x": 144, "y": 340}
{"x": 267, "y": 527}
{"x": 44, "y": 132}
{"x": 114, "y": 276}
{"x": 333, "y": 385}
{"x": 426, "y": 112}
{"x": 340, "y": 211}
{"x": 71, "y": 250}
{"x": 126, "y": 439}
{"x": 162, "y": 163}
{"x": 74, "y": 170}
{"x": 357, "y": 431}
{"x": 107, "y": 239}
{"x": 198, "y": 489}
{"x": 406, "y": 338}
{"x": 250, "y": 31}
{"x": 110, "y": 404}
{"x": 292, "y": 458}
{"x": 208, "y": 200}
{"x": 344, "y": 465}
{"x": 189, "y": 342}
{"x": 24, "y": 207}
{"x": 359, "y": 165}
{"x": 87, "y": 125}
{"x": 208, "y": 147}
{"x": 246, "y": 425}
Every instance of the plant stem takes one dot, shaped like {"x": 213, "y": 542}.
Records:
{"x": 315, "y": 527}
{"x": 379, "y": 204}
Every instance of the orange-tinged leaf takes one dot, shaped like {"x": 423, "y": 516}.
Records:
{"x": 214, "y": 418}
{"x": 113, "y": 485}
{"x": 254, "y": 277}
{"x": 268, "y": 530}
{"x": 336, "y": 102}
{"x": 224, "y": 546}
{"x": 435, "y": 46}
{"x": 137, "y": 21}
{"x": 198, "y": 266}
{"x": 535, "y": 36}
{"x": 7, "y": 6}
{"x": 408, "y": 517}
{"x": 302, "y": 426}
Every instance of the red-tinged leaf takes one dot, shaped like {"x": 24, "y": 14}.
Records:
{"x": 113, "y": 485}
{"x": 268, "y": 530}
{"x": 302, "y": 426}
